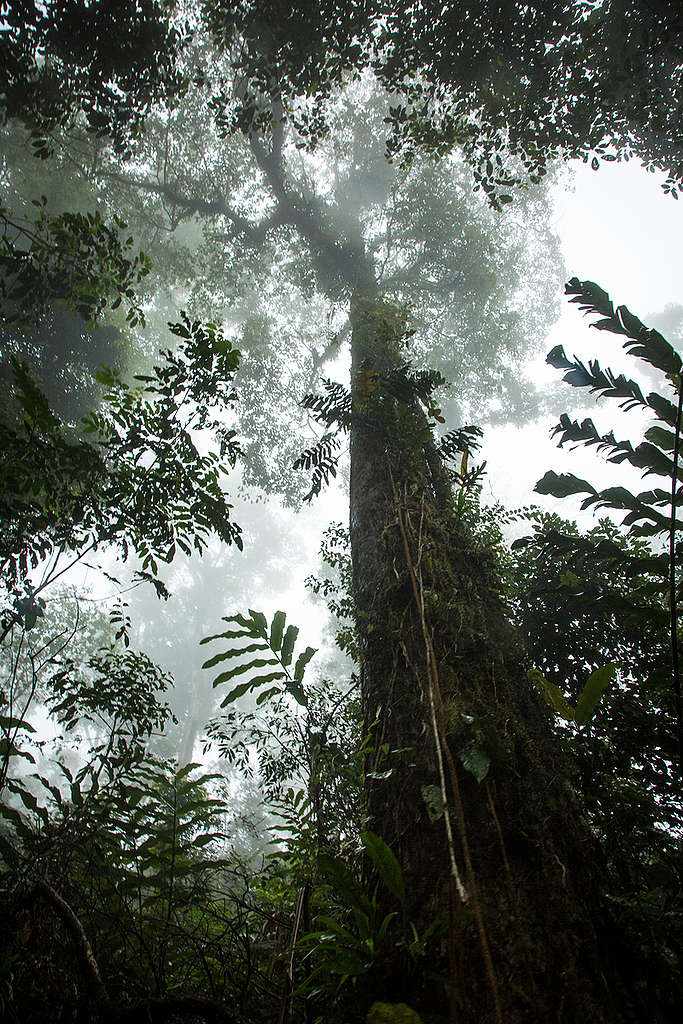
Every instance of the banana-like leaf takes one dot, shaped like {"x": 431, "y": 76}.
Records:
{"x": 597, "y": 683}
{"x": 552, "y": 694}
{"x": 561, "y": 485}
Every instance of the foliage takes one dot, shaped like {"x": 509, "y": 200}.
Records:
{"x": 514, "y": 86}
{"x": 590, "y": 695}
{"x": 155, "y": 929}
{"x": 656, "y": 456}
{"x": 71, "y": 258}
{"x": 402, "y": 383}
{"x": 142, "y": 485}
{"x": 102, "y": 702}
{"x": 57, "y": 61}
{"x": 336, "y": 587}
{"x": 305, "y": 754}
{"x": 611, "y": 596}
{"x": 167, "y": 911}
{"x": 577, "y": 612}
{"x": 278, "y": 646}
{"x": 349, "y": 951}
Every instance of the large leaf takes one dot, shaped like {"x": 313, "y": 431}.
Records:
{"x": 475, "y": 761}
{"x": 561, "y": 485}
{"x": 598, "y": 681}
{"x": 345, "y": 883}
{"x": 552, "y": 694}
{"x": 388, "y": 867}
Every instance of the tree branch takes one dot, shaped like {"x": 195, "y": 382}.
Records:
{"x": 155, "y": 1010}
{"x": 256, "y": 233}
{"x": 84, "y": 953}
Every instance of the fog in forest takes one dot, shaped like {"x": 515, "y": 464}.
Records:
{"x": 269, "y": 238}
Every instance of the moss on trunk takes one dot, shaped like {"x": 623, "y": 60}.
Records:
{"x": 444, "y": 691}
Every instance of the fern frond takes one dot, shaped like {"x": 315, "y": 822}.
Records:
{"x": 598, "y": 381}
{"x": 277, "y": 646}
{"x": 643, "y": 342}
{"x": 321, "y": 458}
{"x": 462, "y": 441}
{"x": 332, "y": 407}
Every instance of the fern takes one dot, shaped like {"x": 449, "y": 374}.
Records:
{"x": 323, "y": 461}
{"x": 332, "y": 407}
{"x": 461, "y": 443}
{"x": 656, "y": 455}
{"x": 273, "y": 647}
{"x": 405, "y": 383}
{"x": 643, "y": 342}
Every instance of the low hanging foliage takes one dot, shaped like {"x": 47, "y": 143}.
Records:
{"x": 403, "y": 384}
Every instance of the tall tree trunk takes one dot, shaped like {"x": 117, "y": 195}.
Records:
{"x": 507, "y": 864}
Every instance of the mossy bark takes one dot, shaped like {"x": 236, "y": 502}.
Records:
{"x": 517, "y": 889}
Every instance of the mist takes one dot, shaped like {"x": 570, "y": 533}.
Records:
{"x": 200, "y": 560}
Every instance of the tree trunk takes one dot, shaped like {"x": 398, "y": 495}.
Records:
{"x": 506, "y": 864}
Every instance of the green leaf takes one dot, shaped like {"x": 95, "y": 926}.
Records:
{"x": 252, "y": 684}
{"x": 561, "y": 485}
{"x": 597, "y": 683}
{"x": 297, "y": 692}
{"x": 384, "y": 927}
{"x": 386, "y": 863}
{"x": 241, "y": 669}
{"x": 664, "y": 439}
{"x": 276, "y": 630}
{"x": 267, "y": 694}
{"x": 552, "y": 694}
{"x": 302, "y": 661}
{"x": 338, "y": 929}
{"x": 8, "y": 723}
{"x": 234, "y": 652}
{"x": 474, "y": 760}
{"x": 433, "y": 798}
{"x": 288, "y": 645}
{"x": 344, "y": 882}
{"x": 260, "y": 623}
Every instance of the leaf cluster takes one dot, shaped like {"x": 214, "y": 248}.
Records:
{"x": 513, "y": 86}
{"x": 274, "y": 647}
{"x": 143, "y": 484}
{"x": 74, "y": 259}
{"x": 655, "y": 455}
{"x": 57, "y": 61}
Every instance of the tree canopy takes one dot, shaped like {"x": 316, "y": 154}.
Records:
{"x": 479, "y": 818}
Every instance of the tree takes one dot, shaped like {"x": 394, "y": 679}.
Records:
{"x": 494, "y": 851}
{"x": 58, "y": 61}
{"x": 514, "y": 85}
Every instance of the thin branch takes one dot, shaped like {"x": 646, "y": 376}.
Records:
{"x": 216, "y": 207}
{"x": 84, "y": 953}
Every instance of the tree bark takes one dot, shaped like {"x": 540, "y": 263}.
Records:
{"x": 507, "y": 865}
